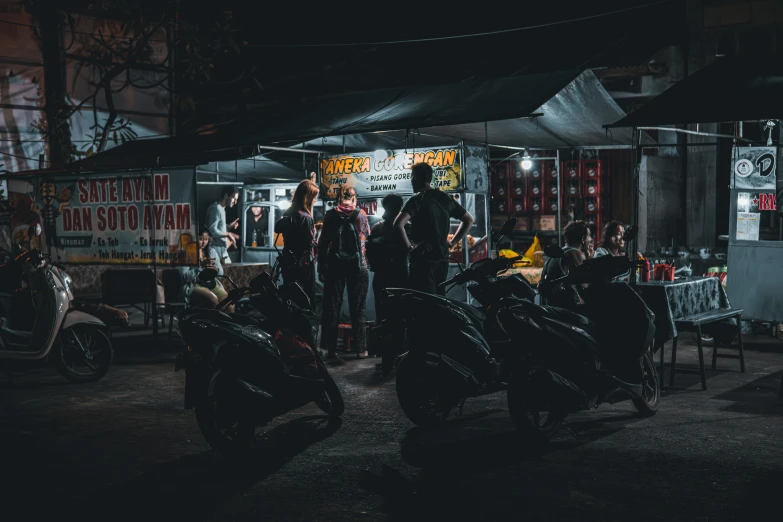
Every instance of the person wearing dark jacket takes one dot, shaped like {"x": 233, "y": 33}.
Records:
{"x": 298, "y": 232}
{"x": 392, "y": 270}
{"x": 341, "y": 262}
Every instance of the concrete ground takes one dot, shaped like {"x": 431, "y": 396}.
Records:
{"x": 124, "y": 449}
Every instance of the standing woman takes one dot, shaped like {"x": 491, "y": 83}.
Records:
{"x": 612, "y": 242}
{"x": 341, "y": 261}
{"x": 298, "y": 231}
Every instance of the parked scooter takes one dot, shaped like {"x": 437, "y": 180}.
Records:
{"x": 453, "y": 350}
{"x": 572, "y": 361}
{"x": 244, "y": 370}
{"x": 38, "y": 323}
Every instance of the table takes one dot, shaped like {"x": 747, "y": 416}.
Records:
{"x": 672, "y": 300}
{"x": 243, "y": 273}
{"x": 531, "y": 273}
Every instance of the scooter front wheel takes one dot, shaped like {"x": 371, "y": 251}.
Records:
{"x": 83, "y": 353}
{"x": 648, "y": 404}
{"x": 419, "y": 391}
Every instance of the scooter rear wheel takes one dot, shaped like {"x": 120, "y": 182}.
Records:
{"x": 219, "y": 419}
{"x": 331, "y": 400}
{"x": 651, "y": 388}
{"x": 419, "y": 393}
{"x": 83, "y": 353}
{"x": 533, "y": 426}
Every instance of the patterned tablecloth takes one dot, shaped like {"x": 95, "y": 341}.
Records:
{"x": 87, "y": 278}
{"x": 672, "y": 300}
{"x": 531, "y": 273}
{"x": 244, "y": 273}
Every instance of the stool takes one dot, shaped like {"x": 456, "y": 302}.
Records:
{"x": 344, "y": 333}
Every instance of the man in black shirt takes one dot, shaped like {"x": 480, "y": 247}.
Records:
{"x": 430, "y": 212}
{"x": 258, "y": 222}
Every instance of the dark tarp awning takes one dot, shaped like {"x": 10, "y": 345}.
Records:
{"x": 735, "y": 88}
{"x": 428, "y": 106}
{"x": 571, "y": 118}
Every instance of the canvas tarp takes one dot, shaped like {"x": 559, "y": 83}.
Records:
{"x": 733, "y": 88}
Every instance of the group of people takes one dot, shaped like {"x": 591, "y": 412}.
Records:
{"x": 411, "y": 245}
{"x": 408, "y": 248}
{"x": 579, "y": 246}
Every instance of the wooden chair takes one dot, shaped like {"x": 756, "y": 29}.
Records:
{"x": 132, "y": 287}
{"x": 172, "y": 288}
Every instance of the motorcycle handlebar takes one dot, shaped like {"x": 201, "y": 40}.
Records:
{"x": 500, "y": 264}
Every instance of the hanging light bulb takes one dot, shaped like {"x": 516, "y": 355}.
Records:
{"x": 526, "y": 162}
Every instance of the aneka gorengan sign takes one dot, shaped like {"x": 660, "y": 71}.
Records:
{"x": 111, "y": 218}
{"x": 375, "y": 174}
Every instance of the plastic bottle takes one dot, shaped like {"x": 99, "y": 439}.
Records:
{"x": 255, "y": 239}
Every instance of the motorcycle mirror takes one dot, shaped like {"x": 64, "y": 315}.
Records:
{"x": 207, "y": 275}
{"x": 631, "y": 233}
{"x": 553, "y": 251}
{"x": 34, "y": 230}
{"x": 508, "y": 226}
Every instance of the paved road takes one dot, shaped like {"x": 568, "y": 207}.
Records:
{"x": 124, "y": 449}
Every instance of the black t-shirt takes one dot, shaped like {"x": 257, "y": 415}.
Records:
{"x": 261, "y": 227}
{"x": 431, "y": 211}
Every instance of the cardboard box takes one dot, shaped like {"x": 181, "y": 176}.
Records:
{"x": 544, "y": 223}
{"x": 523, "y": 224}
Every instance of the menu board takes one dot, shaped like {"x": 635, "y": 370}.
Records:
{"x": 748, "y": 226}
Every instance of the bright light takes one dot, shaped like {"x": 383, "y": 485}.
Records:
{"x": 526, "y": 163}
{"x": 283, "y": 205}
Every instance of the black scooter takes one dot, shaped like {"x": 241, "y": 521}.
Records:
{"x": 451, "y": 350}
{"x": 572, "y": 361}
{"x": 243, "y": 371}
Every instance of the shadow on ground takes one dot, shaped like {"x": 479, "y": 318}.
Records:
{"x": 468, "y": 453}
{"x": 760, "y": 396}
{"x": 192, "y": 486}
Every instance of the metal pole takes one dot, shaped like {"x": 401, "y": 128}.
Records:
{"x": 637, "y": 136}
{"x": 559, "y": 200}
{"x": 289, "y": 149}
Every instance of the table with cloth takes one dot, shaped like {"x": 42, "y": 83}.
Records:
{"x": 673, "y": 300}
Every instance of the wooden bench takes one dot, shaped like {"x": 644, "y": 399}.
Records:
{"x": 697, "y": 322}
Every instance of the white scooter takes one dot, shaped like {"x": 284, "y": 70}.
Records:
{"x": 38, "y": 324}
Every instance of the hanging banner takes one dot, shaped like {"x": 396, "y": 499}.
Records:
{"x": 754, "y": 168}
{"x": 375, "y": 174}
{"x": 109, "y": 218}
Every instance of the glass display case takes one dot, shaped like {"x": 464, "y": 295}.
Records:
{"x": 262, "y": 206}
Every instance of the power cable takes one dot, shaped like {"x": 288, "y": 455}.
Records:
{"x": 455, "y": 37}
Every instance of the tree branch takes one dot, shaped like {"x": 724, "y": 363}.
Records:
{"x": 112, "y": 116}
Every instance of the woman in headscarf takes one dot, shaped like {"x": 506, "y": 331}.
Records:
{"x": 341, "y": 262}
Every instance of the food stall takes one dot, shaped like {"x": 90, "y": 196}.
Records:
{"x": 261, "y": 206}
{"x": 460, "y": 170}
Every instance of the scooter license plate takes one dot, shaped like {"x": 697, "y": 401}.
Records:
{"x": 180, "y": 364}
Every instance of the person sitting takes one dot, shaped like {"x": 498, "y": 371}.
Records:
{"x": 194, "y": 292}
{"x": 577, "y": 239}
{"x": 612, "y": 241}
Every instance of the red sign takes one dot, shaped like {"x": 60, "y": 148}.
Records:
{"x": 370, "y": 208}
{"x": 764, "y": 202}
